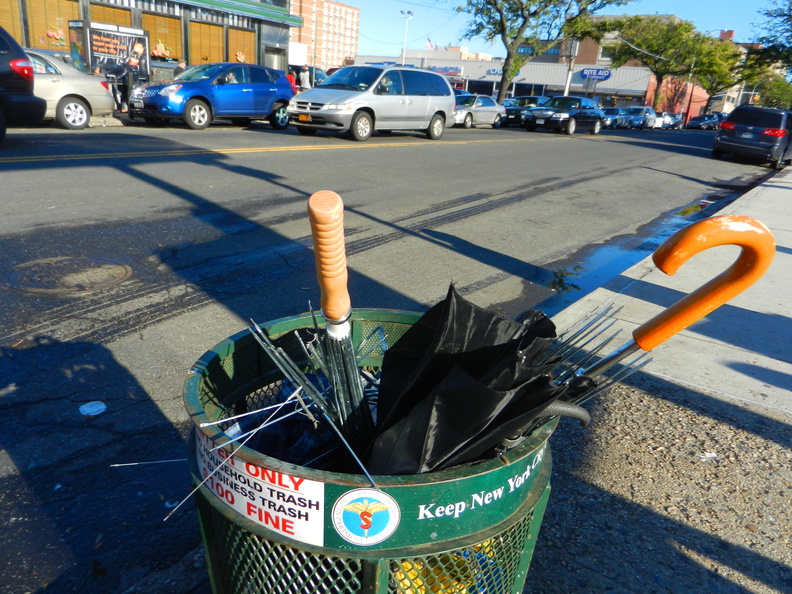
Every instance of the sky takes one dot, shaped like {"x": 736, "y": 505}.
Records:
{"x": 382, "y": 26}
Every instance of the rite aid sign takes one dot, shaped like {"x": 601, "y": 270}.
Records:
{"x": 595, "y": 73}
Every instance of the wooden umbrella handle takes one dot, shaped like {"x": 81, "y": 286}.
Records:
{"x": 758, "y": 249}
{"x": 326, "y": 213}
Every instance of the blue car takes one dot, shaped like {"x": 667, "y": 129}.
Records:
{"x": 239, "y": 92}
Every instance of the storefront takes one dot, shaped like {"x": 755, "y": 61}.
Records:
{"x": 197, "y": 32}
{"x": 625, "y": 86}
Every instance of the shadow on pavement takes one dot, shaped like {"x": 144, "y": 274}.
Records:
{"x": 635, "y": 507}
{"x": 71, "y": 522}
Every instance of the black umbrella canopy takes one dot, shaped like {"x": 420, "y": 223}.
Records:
{"x": 458, "y": 383}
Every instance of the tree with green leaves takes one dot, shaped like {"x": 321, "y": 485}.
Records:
{"x": 667, "y": 46}
{"x": 538, "y": 24}
{"x": 774, "y": 91}
{"x": 777, "y": 39}
{"x": 722, "y": 65}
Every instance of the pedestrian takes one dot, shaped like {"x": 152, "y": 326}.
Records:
{"x": 305, "y": 78}
{"x": 180, "y": 67}
{"x": 292, "y": 81}
{"x": 118, "y": 76}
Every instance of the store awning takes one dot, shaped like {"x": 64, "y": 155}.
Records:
{"x": 249, "y": 8}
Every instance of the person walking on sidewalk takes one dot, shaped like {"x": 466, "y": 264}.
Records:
{"x": 305, "y": 78}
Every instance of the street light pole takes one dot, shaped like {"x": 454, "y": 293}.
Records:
{"x": 407, "y": 14}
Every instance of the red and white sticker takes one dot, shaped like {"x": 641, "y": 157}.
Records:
{"x": 289, "y": 505}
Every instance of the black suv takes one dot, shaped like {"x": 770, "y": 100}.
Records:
{"x": 756, "y": 132}
{"x": 566, "y": 114}
{"x": 18, "y": 104}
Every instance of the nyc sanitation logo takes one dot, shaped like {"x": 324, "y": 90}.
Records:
{"x": 366, "y": 517}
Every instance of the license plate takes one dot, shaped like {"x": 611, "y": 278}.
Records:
{"x": 539, "y": 122}
{"x": 746, "y": 135}
{"x": 304, "y": 117}
{"x": 137, "y": 104}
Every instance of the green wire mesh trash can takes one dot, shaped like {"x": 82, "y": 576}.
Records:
{"x": 273, "y": 527}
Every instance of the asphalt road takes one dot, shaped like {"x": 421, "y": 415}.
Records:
{"x": 180, "y": 237}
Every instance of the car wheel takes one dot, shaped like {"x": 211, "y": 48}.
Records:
{"x": 776, "y": 164}
{"x": 530, "y": 127}
{"x": 72, "y": 113}
{"x": 306, "y": 131}
{"x": 468, "y": 122}
{"x": 279, "y": 119}
{"x": 570, "y": 127}
{"x": 436, "y": 127}
{"x": 240, "y": 121}
{"x": 197, "y": 115}
{"x": 597, "y": 127}
{"x": 497, "y": 122}
{"x": 362, "y": 126}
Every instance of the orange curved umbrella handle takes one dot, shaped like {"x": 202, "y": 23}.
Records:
{"x": 758, "y": 249}
{"x": 326, "y": 213}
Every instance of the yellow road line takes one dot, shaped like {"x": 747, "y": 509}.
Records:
{"x": 237, "y": 151}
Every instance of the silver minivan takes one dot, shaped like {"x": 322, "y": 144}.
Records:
{"x": 361, "y": 99}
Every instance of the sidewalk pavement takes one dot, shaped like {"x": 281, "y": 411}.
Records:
{"x": 681, "y": 483}
{"x": 742, "y": 352}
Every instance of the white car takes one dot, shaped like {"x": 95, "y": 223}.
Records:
{"x": 72, "y": 96}
{"x": 473, "y": 110}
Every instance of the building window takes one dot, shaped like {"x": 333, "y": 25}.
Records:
{"x": 206, "y": 43}
{"x": 111, "y": 16}
{"x": 525, "y": 50}
{"x": 242, "y": 46}
{"x": 49, "y": 23}
{"x": 164, "y": 36}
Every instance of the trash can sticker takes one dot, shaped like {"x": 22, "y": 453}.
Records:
{"x": 286, "y": 504}
{"x": 366, "y": 516}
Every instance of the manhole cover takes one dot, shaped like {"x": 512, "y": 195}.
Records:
{"x": 66, "y": 275}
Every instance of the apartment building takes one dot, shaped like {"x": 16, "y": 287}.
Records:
{"x": 329, "y": 35}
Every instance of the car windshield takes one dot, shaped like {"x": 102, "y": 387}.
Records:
{"x": 611, "y": 111}
{"x": 563, "y": 103}
{"x": 202, "y": 72}
{"x": 635, "y": 111}
{"x": 357, "y": 78}
{"x": 466, "y": 101}
{"x": 524, "y": 102}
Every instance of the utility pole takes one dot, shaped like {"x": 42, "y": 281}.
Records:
{"x": 572, "y": 50}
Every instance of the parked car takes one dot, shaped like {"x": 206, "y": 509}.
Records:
{"x": 239, "y": 92}
{"x": 642, "y": 117}
{"x": 363, "y": 98}
{"x": 515, "y": 112}
{"x": 72, "y": 96}
{"x": 615, "y": 117}
{"x": 474, "y": 110}
{"x": 703, "y": 122}
{"x": 459, "y": 92}
{"x": 18, "y": 104}
{"x": 566, "y": 114}
{"x": 756, "y": 132}
{"x": 672, "y": 121}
